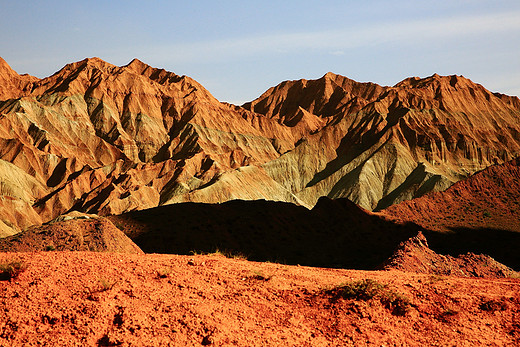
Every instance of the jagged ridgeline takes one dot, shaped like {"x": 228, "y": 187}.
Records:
{"x": 99, "y": 138}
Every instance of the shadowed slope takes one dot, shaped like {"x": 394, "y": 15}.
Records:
{"x": 480, "y": 214}
{"x": 488, "y": 199}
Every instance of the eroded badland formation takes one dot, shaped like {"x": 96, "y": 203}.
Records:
{"x": 419, "y": 180}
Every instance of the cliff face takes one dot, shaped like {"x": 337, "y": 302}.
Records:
{"x": 104, "y": 139}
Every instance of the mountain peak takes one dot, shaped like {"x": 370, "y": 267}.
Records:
{"x": 137, "y": 65}
{"x": 97, "y": 63}
{"x": 436, "y": 79}
{"x": 13, "y": 85}
{"x": 5, "y": 69}
{"x": 330, "y": 75}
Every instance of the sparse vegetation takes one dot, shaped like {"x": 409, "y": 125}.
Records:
{"x": 230, "y": 254}
{"x": 369, "y": 289}
{"x": 493, "y": 305}
{"x": 259, "y": 275}
{"x": 446, "y": 314}
{"x": 435, "y": 278}
{"x": 449, "y": 312}
{"x": 225, "y": 253}
{"x": 164, "y": 272}
{"x": 10, "y": 270}
{"x": 106, "y": 284}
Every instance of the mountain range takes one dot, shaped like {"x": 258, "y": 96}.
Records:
{"x": 98, "y": 138}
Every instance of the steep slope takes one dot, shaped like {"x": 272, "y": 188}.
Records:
{"x": 13, "y": 85}
{"x": 381, "y": 145}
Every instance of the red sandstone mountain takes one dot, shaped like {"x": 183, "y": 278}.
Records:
{"x": 100, "y": 138}
{"x": 13, "y": 85}
{"x": 104, "y": 139}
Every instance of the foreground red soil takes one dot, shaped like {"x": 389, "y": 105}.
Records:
{"x": 84, "y": 298}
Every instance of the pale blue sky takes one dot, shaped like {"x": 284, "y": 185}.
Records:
{"x": 238, "y": 49}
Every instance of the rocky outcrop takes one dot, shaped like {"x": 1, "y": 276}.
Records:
{"x": 106, "y": 139}
{"x": 414, "y": 255}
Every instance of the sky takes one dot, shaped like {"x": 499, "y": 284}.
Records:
{"x": 239, "y": 49}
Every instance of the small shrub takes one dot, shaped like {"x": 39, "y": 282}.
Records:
{"x": 227, "y": 254}
{"x": 11, "y": 270}
{"x": 435, "y": 278}
{"x": 358, "y": 290}
{"x": 487, "y": 214}
{"x": 230, "y": 254}
{"x": 397, "y": 303}
{"x": 50, "y": 248}
{"x": 106, "y": 284}
{"x": 259, "y": 275}
{"x": 447, "y": 314}
{"x": 369, "y": 289}
{"x": 164, "y": 272}
{"x": 493, "y": 305}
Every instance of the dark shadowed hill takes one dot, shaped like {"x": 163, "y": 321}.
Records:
{"x": 335, "y": 233}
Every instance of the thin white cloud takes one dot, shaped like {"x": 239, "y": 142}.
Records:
{"x": 340, "y": 40}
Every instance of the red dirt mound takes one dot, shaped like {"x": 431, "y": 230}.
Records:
{"x": 90, "y": 234}
{"x": 414, "y": 255}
